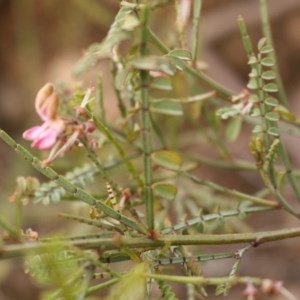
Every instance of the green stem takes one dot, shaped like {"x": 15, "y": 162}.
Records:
{"x": 288, "y": 167}
{"x": 88, "y": 221}
{"x": 88, "y": 276}
{"x": 101, "y": 286}
{"x": 237, "y": 165}
{"x": 146, "y": 125}
{"x": 210, "y": 217}
{"x": 116, "y": 65}
{"x": 266, "y": 28}
{"x": 236, "y": 194}
{"x": 121, "y": 151}
{"x": 245, "y": 37}
{"x": 66, "y": 184}
{"x": 255, "y": 238}
{"x": 283, "y": 202}
{"x": 99, "y": 98}
{"x": 200, "y": 280}
{"x": 195, "y": 30}
{"x": 220, "y": 90}
{"x": 95, "y": 159}
{"x": 10, "y": 230}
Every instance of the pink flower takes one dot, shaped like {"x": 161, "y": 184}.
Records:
{"x": 46, "y": 104}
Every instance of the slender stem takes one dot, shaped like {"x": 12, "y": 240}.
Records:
{"x": 255, "y": 238}
{"x": 195, "y": 30}
{"x": 18, "y": 216}
{"x": 99, "y": 98}
{"x": 66, "y": 184}
{"x": 289, "y": 170}
{"x": 266, "y": 28}
{"x": 281, "y": 199}
{"x": 117, "y": 66}
{"x": 237, "y": 165}
{"x": 118, "y": 146}
{"x": 146, "y": 124}
{"x": 215, "y": 216}
{"x": 225, "y": 287}
{"x": 245, "y": 37}
{"x": 201, "y": 280}
{"x": 96, "y": 223}
{"x": 88, "y": 276}
{"x": 220, "y": 90}
{"x": 10, "y": 230}
{"x": 95, "y": 159}
{"x": 236, "y": 194}
{"x": 101, "y": 286}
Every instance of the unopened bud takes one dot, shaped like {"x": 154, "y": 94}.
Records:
{"x": 250, "y": 292}
{"x": 80, "y": 111}
{"x": 271, "y": 287}
{"x": 46, "y": 102}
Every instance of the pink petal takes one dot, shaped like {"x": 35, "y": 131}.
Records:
{"x": 44, "y": 136}
{"x": 45, "y": 142}
{"x": 32, "y": 133}
{"x": 47, "y": 139}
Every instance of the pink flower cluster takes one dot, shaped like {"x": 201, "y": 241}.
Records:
{"x": 46, "y": 104}
{"x": 56, "y": 133}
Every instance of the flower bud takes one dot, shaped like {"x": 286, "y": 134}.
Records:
{"x": 46, "y": 102}
{"x": 250, "y": 292}
{"x": 270, "y": 287}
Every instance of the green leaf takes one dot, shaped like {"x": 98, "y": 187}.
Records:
{"x": 270, "y": 88}
{"x": 233, "y": 129}
{"x": 165, "y": 190}
{"x": 255, "y": 112}
{"x": 162, "y": 83}
{"x": 167, "y": 159}
{"x": 227, "y": 112}
{"x": 155, "y": 63}
{"x": 180, "y": 64}
{"x": 261, "y": 43}
{"x": 271, "y": 102}
{"x": 272, "y": 116}
{"x": 267, "y": 62}
{"x": 254, "y": 98}
{"x": 253, "y": 84}
{"x": 181, "y": 54}
{"x": 257, "y": 129}
{"x": 253, "y": 73}
{"x": 169, "y": 107}
{"x": 268, "y": 75}
{"x": 273, "y": 131}
{"x": 285, "y": 114}
{"x": 266, "y": 49}
{"x": 252, "y": 60}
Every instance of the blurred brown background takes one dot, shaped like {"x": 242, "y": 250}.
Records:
{"x": 42, "y": 40}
